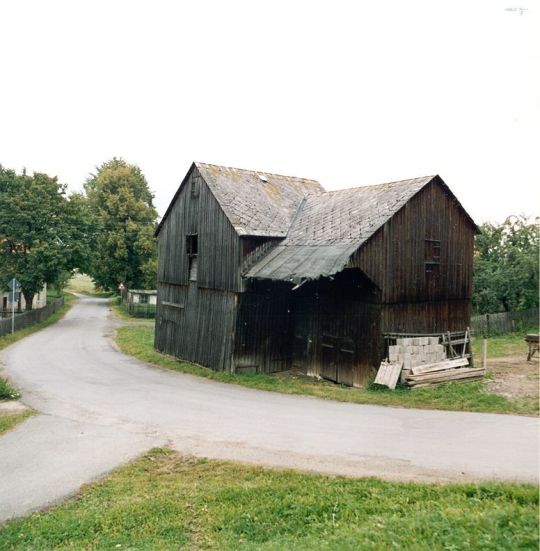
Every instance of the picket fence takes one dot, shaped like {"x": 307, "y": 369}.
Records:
{"x": 26, "y": 319}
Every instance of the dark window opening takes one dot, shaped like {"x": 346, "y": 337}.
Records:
{"x": 192, "y": 249}
{"x": 192, "y": 246}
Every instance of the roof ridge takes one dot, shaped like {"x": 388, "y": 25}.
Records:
{"x": 198, "y": 163}
{"x": 370, "y": 186}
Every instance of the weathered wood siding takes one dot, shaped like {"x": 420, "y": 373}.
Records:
{"x": 196, "y": 211}
{"x": 426, "y": 317}
{"x": 196, "y": 325}
{"x": 195, "y": 319}
{"x": 395, "y": 260}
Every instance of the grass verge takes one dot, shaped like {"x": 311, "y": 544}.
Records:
{"x": 7, "y": 422}
{"x": 167, "y": 501}
{"x": 138, "y": 341}
{"x": 7, "y": 392}
{"x": 120, "y": 310}
{"x": 6, "y": 340}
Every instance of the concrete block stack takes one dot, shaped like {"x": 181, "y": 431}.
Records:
{"x": 416, "y": 351}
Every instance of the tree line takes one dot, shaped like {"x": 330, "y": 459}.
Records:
{"x": 105, "y": 232}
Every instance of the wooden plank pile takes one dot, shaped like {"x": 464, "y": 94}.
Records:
{"x": 422, "y": 362}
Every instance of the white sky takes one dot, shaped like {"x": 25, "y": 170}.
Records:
{"x": 348, "y": 93}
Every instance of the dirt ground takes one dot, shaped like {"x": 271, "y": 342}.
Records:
{"x": 513, "y": 376}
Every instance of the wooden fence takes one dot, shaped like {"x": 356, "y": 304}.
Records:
{"x": 138, "y": 310}
{"x": 26, "y": 319}
{"x": 504, "y": 322}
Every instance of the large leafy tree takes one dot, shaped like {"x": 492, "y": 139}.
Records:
{"x": 121, "y": 202}
{"x": 506, "y": 266}
{"x": 42, "y": 233}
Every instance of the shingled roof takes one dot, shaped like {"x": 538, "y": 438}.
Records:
{"x": 330, "y": 227}
{"x": 257, "y": 203}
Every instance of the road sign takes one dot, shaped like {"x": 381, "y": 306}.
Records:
{"x": 14, "y": 285}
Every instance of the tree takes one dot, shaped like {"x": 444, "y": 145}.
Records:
{"x": 506, "y": 266}
{"x": 41, "y": 235}
{"x": 121, "y": 202}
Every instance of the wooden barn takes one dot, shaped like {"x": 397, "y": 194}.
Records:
{"x": 262, "y": 273}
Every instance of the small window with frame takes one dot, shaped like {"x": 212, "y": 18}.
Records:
{"x": 432, "y": 259}
{"x": 194, "y": 187}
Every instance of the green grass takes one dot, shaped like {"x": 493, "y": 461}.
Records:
{"x": 7, "y": 422}
{"x": 138, "y": 341}
{"x": 7, "y": 392}
{"x": 505, "y": 345}
{"x": 6, "y": 340}
{"x": 82, "y": 283}
{"x": 120, "y": 310}
{"x": 166, "y": 501}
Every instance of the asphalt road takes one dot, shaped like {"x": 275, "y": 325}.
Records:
{"x": 101, "y": 408}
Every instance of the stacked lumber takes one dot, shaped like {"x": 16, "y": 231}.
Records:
{"x": 440, "y": 373}
{"x": 421, "y": 362}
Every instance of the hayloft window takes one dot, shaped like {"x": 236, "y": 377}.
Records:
{"x": 432, "y": 258}
{"x": 192, "y": 249}
{"x": 192, "y": 245}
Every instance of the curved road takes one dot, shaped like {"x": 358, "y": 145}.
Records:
{"x": 101, "y": 408}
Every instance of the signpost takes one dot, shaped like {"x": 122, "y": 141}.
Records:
{"x": 14, "y": 290}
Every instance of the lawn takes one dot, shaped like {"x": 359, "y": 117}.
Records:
{"x": 168, "y": 501}
{"x": 505, "y": 345}
{"x": 138, "y": 341}
{"x": 82, "y": 283}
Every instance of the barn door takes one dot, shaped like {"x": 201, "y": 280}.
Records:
{"x": 329, "y": 357}
{"x": 303, "y": 321}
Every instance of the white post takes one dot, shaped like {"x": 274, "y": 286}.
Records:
{"x": 13, "y": 306}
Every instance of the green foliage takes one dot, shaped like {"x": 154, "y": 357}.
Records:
{"x": 125, "y": 248}
{"x": 139, "y": 342}
{"x": 166, "y": 501}
{"x": 7, "y": 392}
{"x": 506, "y": 266}
{"x": 43, "y": 234}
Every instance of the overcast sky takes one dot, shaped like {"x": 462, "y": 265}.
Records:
{"x": 348, "y": 93}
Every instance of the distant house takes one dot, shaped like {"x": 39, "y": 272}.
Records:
{"x": 138, "y": 296}
{"x": 40, "y": 300}
{"x": 261, "y": 273}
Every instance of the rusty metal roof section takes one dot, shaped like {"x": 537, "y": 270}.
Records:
{"x": 330, "y": 227}
{"x": 257, "y": 203}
